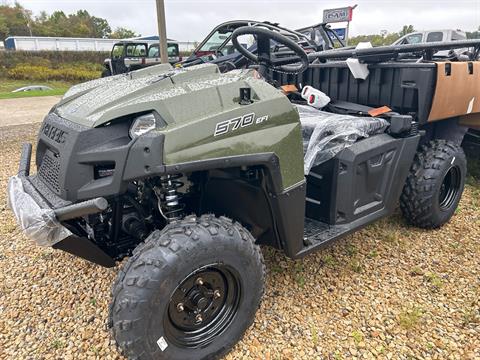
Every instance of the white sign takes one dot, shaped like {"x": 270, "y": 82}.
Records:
{"x": 337, "y": 15}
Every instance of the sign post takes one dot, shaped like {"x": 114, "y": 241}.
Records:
{"x": 162, "y": 31}
{"x": 339, "y": 15}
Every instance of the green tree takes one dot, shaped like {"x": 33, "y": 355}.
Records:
{"x": 474, "y": 34}
{"x": 123, "y": 33}
{"x": 407, "y": 29}
{"x": 16, "y": 20}
{"x": 3, "y": 27}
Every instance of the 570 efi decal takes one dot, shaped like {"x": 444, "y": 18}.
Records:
{"x": 242, "y": 121}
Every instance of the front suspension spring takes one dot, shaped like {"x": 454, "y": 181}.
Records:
{"x": 169, "y": 199}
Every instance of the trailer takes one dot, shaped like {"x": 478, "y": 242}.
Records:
{"x": 41, "y": 43}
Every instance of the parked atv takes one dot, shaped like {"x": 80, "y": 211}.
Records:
{"x": 130, "y": 55}
{"x": 187, "y": 171}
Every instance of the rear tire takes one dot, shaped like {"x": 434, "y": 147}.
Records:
{"x": 106, "y": 73}
{"x": 189, "y": 292}
{"x": 435, "y": 184}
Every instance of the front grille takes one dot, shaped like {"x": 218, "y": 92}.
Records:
{"x": 49, "y": 170}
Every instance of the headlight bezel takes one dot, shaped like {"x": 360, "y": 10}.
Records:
{"x": 137, "y": 129}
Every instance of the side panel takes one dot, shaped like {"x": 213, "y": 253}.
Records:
{"x": 364, "y": 179}
{"x": 268, "y": 125}
{"x": 457, "y": 91}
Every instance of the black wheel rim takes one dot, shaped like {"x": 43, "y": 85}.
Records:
{"x": 202, "y": 306}
{"x": 450, "y": 188}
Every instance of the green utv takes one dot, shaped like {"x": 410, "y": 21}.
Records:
{"x": 187, "y": 171}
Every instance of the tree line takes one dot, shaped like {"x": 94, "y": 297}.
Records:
{"x": 386, "y": 38}
{"x": 15, "y": 20}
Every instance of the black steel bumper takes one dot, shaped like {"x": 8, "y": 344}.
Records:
{"x": 49, "y": 216}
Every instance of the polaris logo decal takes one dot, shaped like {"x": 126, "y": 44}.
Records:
{"x": 54, "y": 133}
{"x": 239, "y": 122}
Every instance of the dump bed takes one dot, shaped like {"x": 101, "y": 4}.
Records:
{"x": 404, "y": 87}
{"x": 430, "y": 91}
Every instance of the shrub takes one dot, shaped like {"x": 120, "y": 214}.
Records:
{"x": 43, "y": 73}
{"x": 10, "y": 59}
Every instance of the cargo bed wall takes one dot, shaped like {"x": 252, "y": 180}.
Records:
{"x": 404, "y": 87}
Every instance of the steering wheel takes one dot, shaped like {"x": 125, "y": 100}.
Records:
{"x": 268, "y": 59}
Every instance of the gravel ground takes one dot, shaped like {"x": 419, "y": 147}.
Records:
{"x": 387, "y": 292}
{"x": 25, "y": 110}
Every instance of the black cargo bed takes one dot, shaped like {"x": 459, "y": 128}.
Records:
{"x": 405, "y": 87}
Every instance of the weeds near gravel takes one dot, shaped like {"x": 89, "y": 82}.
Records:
{"x": 356, "y": 266}
{"x": 357, "y": 335}
{"x": 337, "y": 355}
{"x": 391, "y": 237}
{"x": 329, "y": 260}
{"x": 372, "y": 254}
{"x": 416, "y": 271}
{"x": 351, "y": 250}
{"x": 410, "y": 318}
{"x": 93, "y": 302}
{"x": 299, "y": 278}
{"x": 57, "y": 344}
{"x": 276, "y": 269}
{"x": 315, "y": 339}
{"x": 434, "y": 280}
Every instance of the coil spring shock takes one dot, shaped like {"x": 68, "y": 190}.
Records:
{"x": 168, "y": 197}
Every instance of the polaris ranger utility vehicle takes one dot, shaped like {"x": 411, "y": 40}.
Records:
{"x": 130, "y": 55}
{"x": 188, "y": 171}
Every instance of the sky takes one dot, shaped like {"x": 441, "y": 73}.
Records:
{"x": 191, "y": 20}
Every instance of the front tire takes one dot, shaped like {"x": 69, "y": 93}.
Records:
{"x": 189, "y": 292}
{"x": 435, "y": 184}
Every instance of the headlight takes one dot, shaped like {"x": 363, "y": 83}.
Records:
{"x": 142, "y": 125}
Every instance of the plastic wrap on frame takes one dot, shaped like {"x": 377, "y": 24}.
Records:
{"x": 38, "y": 224}
{"x": 326, "y": 134}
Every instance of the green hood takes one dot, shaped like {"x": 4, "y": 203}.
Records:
{"x": 170, "y": 92}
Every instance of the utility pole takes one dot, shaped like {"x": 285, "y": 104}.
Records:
{"x": 162, "y": 31}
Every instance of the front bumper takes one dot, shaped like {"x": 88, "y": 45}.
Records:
{"x": 39, "y": 224}
{"x": 38, "y": 219}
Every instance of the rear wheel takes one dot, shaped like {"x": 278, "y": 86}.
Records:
{"x": 106, "y": 73}
{"x": 435, "y": 184}
{"x": 189, "y": 292}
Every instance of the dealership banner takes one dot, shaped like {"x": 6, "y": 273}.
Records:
{"x": 337, "y": 15}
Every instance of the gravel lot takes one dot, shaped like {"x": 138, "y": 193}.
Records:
{"x": 388, "y": 292}
{"x": 25, "y": 110}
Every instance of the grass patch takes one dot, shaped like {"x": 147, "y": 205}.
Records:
{"x": 315, "y": 339}
{"x": 299, "y": 277}
{"x": 8, "y": 85}
{"x": 372, "y": 254}
{"x": 57, "y": 344}
{"x": 410, "y": 318}
{"x": 329, "y": 260}
{"x": 351, "y": 250}
{"x": 434, "y": 280}
{"x": 357, "y": 335}
{"x": 416, "y": 271}
{"x": 356, "y": 266}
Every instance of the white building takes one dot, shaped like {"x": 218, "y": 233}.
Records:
{"x": 36, "y": 43}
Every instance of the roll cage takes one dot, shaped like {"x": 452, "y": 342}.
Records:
{"x": 312, "y": 38}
